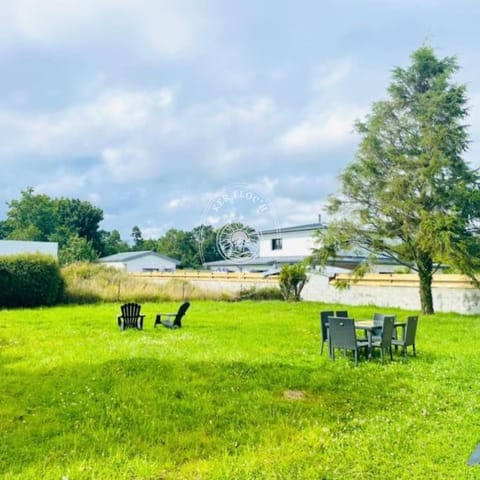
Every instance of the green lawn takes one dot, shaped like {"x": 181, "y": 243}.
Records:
{"x": 241, "y": 392}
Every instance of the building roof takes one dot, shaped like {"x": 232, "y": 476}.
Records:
{"x": 127, "y": 256}
{"x": 15, "y": 247}
{"x": 340, "y": 262}
{"x": 256, "y": 261}
{"x": 299, "y": 228}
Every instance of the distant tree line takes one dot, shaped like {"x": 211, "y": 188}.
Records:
{"x": 75, "y": 225}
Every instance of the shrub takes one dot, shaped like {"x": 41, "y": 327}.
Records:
{"x": 29, "y": 280}
{"x": 292, "y": 280}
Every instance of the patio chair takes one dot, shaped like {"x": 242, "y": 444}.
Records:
{"x": 341, "y": 313}
{"x": 324, "y": 327}
{"x": 341, "y": 333}
{"x": 130, "y": 317}
{"x": 172, "y": 320}
{"x": 409, "y": 335}
{"x": 384, "y": 343}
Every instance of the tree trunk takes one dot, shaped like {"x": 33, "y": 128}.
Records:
{"x": 425, "y": 275}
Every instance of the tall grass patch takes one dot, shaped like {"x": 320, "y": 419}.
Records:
{"x": 94, "y": 282}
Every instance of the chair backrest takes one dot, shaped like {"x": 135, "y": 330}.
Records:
{"x": 387, "y": 330}
{"x": 324, "y": 323}
{"x": 342, "y": 332}
{"x": 130, "y": 313}
{"x": 181, "y": 312}
{"x": 378, "y": 319}
{"x": 410, "y": 331}
{"x": 341, "y": 313}
{"x": 131, "y": 309}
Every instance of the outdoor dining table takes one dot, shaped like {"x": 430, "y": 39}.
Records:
{"x": 368, "y": 327}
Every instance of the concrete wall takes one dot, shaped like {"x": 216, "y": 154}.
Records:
{"x": 230, "y": 282}
{"x": 16, "y": 247}
{"x": 451, "y": 293}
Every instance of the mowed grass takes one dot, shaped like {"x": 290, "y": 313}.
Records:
{"x": 241, "y": 392}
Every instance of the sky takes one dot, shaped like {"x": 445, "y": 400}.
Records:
{"x": 175, "y": 113}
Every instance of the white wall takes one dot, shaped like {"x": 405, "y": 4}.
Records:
{"x": 293, "y": 244}
{"x": 460, "y": 300}
{"x": 16, "y": 247}
{"x": 445, "y": 299}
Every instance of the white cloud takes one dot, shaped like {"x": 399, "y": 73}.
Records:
{"x": 321, "y": 131}
{"x": 297, "y": 212}
{"x": 124, "y": 165}
{"x": 163, "y": 27}
{"x": 330, "y": 76}
{"x": 64, "y": 184}
{"x": 260, "y": 113}
{"x": 86, "y": 129}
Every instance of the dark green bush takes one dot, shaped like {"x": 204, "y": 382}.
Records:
{"x": 29, "y": 280}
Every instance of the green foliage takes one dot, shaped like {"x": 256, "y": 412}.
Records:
{"x": 112, "y": 243}
{"x": 409, "y": 194}
{"x": 137, "y": 238}
{"x": 292, "y": 280}
{"x": 29, "y": 280}
{"x": 74, "y": 224}
{"x": 63, "y": 220}
{"x": 205, "y": 237}
{"x": 32, "y": 217}
{"x": 182, "y": 246}
{"x": 77, "y": 249}
{"x": 4, "y": 229}
{"x": 240, "y": 392}
{"x": 78, "y": 218}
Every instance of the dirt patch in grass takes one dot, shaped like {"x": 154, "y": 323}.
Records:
{"x": 294, "y": 395}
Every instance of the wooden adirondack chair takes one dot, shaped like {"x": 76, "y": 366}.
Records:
{"x": 130, "y": 317}
{"x": 172, "y": 320}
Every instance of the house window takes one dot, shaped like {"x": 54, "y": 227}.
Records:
{"x": 276, "y": 243}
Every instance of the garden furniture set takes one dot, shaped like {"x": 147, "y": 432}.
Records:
{"x": 340, "y": 332}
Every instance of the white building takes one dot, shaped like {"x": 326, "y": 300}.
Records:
{"x": 17, "y": 247}
{"x": 288, "y": 242}
{"x": 291, "y": 245}
{"x": 144, "y": 261}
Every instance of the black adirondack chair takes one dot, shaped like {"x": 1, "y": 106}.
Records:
{"x": 130, "y": 317}
{"x": 172, "y": 320}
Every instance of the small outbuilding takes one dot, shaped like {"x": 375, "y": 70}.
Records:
{"x": 143, "y": 261}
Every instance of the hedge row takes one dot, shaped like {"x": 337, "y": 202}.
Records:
{"x": 29, "y": 280}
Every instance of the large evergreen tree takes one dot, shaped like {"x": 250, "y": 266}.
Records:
{"x": 409, "y": 194}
